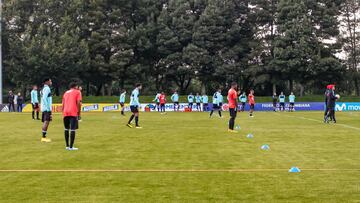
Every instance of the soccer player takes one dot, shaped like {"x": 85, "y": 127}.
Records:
{"x": 243, "y": 100}
{"x": 191, "y": 100}
{"x": 11, "y": 98}
{"x": 134, "y": 106}
{"x": 292, "y": 101}
{"x": 198, "y": 102}
{"x": 331, "y": 100}
{"x": 122, "y": 101}
{"x": 175, "y": 99}
{"x": 162, "y": 99}
{"x": 274, "y": 100}
{"x": 232, "y": 98}
{"x": 216, "y": 101}
{"x": 282, "y": 101}
{"x": 221, "y": 99}
{"x": 71, "y": 104}
{"x": 46, "y": 108}
{"x": 35, "y": 102}
{"x": 251, "y": 98}
{"x": 20, "y": 102}
{"x": 157, "y": 100}
{"x": 205, "y": 100}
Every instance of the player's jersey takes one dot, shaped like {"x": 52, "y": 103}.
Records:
{"x": 175, "y": 97}
{"x": 198, "y": 99}
{"x": 134, "y": 98}
{"x": 232, "y": 97}
{"x": 215, "y": 99}
{"x": 205, "y": 99}
{"x": 251, "y": 98}
{"x": 46, "y": 99}
{"x": 70, "y": 102}
{"x": 122, "y": 98}
{"x": 242, "y": 98}
{"x": 282, "y": 98}
{"x": 292, "y": 98}
{"x": 34, "y": 97}
{"x": 274, "y": 98}
{"x": 162, "y": 99}
{"x": 157, "y": 98}
{"x": 190, "y": 98}
{"x": 220, "y": 98}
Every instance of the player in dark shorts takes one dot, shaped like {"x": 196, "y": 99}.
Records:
{"x": 71, "y": 103}
{"x": 274, "y": 100}
{"x": 122, "y": 102}
{"x": 35, "y": 102}
{"x": 134, "y": 106}
{"x": 46, "y": 108}
{"x": 251, "y": 99}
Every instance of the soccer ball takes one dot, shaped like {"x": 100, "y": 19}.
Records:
{"x": 337, "y": 96}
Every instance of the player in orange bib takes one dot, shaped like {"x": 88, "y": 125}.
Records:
{"x": 251, "y": 99}
{"x": 232, "y": 99}
{"x": 71, "y": 111}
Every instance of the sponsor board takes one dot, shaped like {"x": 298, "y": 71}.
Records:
{"x": 299, "y": 106}
{"x": 347, "y": 106}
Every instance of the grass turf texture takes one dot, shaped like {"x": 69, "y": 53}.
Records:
{"x": 183, "y": 141}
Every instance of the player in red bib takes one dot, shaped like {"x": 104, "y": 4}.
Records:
{"x": 251, "y": 99}
{"x": 71, "y": 111}
{"x": 162, "y": 99}
{"x": 232, "y": 99}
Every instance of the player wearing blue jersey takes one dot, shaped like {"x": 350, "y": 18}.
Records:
{"x": 292, "y": 101}
{"x": 216, "y": 103}
{"x": 282, "y": 98}
{"x": 134, "y": 106}
{"x": 122, "y": 101}
{"x": 35, "y": 102}
{"x": 46, "y": 108}
{"x": 198, "y": 102}
{"x": 175, "y": 100}
{"x": 190, "y": 101}
{"x": 205, "y": 100}
{"x": 243, "y": 100}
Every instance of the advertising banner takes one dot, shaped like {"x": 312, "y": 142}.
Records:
{"x": 184, "y": 107}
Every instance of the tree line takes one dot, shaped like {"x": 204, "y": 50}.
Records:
{"x": 188, "y": 45}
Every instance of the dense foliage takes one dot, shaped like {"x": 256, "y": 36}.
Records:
{"x": 188, "y": 45}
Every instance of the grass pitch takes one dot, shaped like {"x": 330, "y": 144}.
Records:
{"x": 182, "y": 157}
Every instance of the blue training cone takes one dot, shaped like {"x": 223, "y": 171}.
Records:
{"x": 294, "y": 169}
{"x": 265, "y": 147}
{"x": 250, "y": 135}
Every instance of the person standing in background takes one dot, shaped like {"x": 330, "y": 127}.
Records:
{"x": 122, "y": 102}
{"x": 292, "y": 102}
{"x": 175, "y": 100}
{"x": 162, "y": 99}
{"x": 251, "y": 98}
{"x": 35, "y": 102}
{"x": 190, "y": 101}
{"x": 157, "y": 100}
{"x": 282, "y": 101}
{"x": 198, "y": 102}
{"x": 46, "y": 108}
{"x": 11, "y": 99}
{"x": 205, "y": 100}
{"x": 20, "y": 102}
{"x": 233, "y": 104}
{"x": 243, "y": 100}
{"x": 274, "y": 100}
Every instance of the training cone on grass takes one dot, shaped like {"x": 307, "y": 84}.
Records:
{"x": 237, "y": 127}
{"x": 250, "y": 135}
{"x": 265, "y": 147}
{"x": 294, "y": 169}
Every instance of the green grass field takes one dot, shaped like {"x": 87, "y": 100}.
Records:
{"x": 182, "y": 157}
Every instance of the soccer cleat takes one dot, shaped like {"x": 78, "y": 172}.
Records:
{"x": 138, "y": 127}
{"x": 73, "y": 149}
{"x": 232, "y": 131}
{"x": 67, "y": 148}
{"x": 129, "y": 125}
{"x": 44, "y": 139}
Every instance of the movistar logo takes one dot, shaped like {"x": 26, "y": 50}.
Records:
{"x": 341, "y": 107}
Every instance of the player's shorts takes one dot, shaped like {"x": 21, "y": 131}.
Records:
{"x": 252, "y": 106}
{"x": 233, "y": 112}
{"x": 292, "y": 104}
{"x": 220, "y": 105}
{"x": 46, "y": 116}
{"x": 134, "y": 109}
{"x": 216, "y": 106}
{"x": 274, "y": 104}
{"x": 282, "y": 104}
{"x": 122, "y": 104}
{"x": 177, "y": 103}
{"x": 35, "y": 106}
{"x": 198, "y": 104}
{"x": 71, "y": 123}
{"x": 162, "y": 105}
{"x": 243, "y": 104}
{"x": 190, "y": 104}
{"x": 158, "y": 103}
